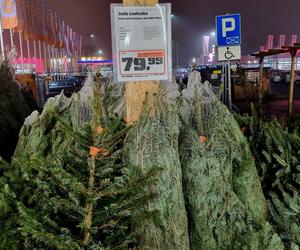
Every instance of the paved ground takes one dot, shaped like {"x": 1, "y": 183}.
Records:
{"x": 277, "y": 108}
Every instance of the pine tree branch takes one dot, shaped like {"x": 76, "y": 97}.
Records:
{"x": 87, "y": 224}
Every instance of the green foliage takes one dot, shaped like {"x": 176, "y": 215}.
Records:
{"x": 267, "y": 101}
{"x": 224, "y": 200}
{"x": 60, "y": 196}
{"x": 82, "y": 179}
{"x": 14, "y": 109}
{"x": 270, "y": 241}
{"x": 3, "y": 166}
{"x": 45, "y": 199}
{"x": 276, "y": 152}
{"x": 153, "y": 141}
{"x": 293, "y": 123}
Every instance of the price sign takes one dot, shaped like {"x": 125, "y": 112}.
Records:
{"x": 141, "y": 62}
{"x": 142, "y": 42}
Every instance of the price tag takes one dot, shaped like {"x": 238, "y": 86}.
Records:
{"x": 141, "y": 37}
{"x": 142, "y": 63}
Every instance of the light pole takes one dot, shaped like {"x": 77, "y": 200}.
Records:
{"x": 89, "y": 47}
{"x": 176, "y": 43}
{"x": 213, "y": 44}
{"x": 177, "y": 56}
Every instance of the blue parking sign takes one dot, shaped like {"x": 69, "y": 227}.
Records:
{"x": 228, "y": 30}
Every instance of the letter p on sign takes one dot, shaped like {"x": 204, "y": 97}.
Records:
{"x": 228, "y": 24}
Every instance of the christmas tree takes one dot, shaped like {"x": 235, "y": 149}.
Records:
{"x": 181, "y": 177}
{"x": 75, "y": 191}
{"x": 276, "y": 153}
{"x": 14, "y": 109}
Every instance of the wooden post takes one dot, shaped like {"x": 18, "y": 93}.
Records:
{"x": 291, "y": 97}
{"x": 135, "y": 91}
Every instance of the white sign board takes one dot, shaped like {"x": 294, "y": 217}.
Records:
{"x": 142, "y": 42}
{"x": 229, "y": 53}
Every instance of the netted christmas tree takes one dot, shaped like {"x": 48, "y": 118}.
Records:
{"x": 14, "y": 109}
{"x": 225, "y": 204}
{"x": 69, "y": 186}
{"x": 276, "y": 153}
{"x": 153, "y": 141}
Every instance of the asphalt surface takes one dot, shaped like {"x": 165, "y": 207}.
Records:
{"x": 278, "y": 108}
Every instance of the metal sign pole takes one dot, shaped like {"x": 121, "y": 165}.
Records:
{"x": 229, "y": 86}
{"x": 225, "y": 78}
{"x": 229, "y": 47}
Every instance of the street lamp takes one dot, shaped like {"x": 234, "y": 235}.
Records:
{"x": 89, "y": 47}
{"x": 176, "y": 43}
{"x": 177, "y": 56}
{"x": 213, "y": 46}
{"x": 100, "y": 52}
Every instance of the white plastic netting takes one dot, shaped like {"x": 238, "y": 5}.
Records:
{"x": 219, "y": 189}
{"x": 207, "y": 101}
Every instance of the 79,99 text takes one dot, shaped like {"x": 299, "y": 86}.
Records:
{"x": 141, "y": 64}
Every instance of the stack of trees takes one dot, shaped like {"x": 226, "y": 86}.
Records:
{"x": 178, "y": 178}
{"x": 15, "y": 107}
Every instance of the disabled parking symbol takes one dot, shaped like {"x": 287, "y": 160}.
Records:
{"x": 228, "y": 54}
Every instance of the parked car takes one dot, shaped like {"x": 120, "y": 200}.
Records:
{"x": 276, "y": 78}
{"x": 57, "y": 87}
{"x": 78, "y": 80}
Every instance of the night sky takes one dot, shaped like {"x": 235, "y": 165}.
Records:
{"x": 194, "y": 18}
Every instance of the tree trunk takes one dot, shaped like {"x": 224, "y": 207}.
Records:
{"x": 135, "y": 91}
